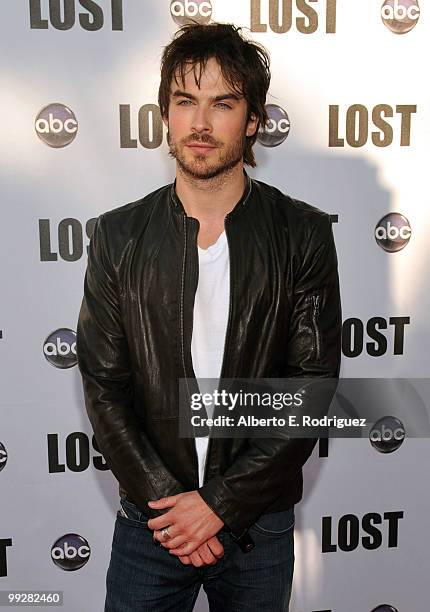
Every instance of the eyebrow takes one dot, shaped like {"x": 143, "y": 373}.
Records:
{"x": 226, "y": 96}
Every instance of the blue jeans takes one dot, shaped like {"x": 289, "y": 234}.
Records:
{"x": 143, "y": 577}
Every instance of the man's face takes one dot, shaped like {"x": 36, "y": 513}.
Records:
{"x": 207, "y": 126}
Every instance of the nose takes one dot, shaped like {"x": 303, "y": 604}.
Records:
{"x": 201, "y": 121}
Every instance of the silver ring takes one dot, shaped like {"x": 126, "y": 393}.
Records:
{"x": 165, "y": 533}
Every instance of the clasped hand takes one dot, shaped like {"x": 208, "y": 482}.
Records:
{"x": 192, "y": 527}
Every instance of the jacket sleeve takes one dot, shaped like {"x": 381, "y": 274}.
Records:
{"x": 104, "y": 363}
{"x": 311, "y": 351}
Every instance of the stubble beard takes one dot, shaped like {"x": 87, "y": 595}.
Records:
{"x": 201, "y": 169}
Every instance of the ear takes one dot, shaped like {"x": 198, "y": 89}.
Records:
{"x": 165, "y": 120}
{"x": 251, "y": 126}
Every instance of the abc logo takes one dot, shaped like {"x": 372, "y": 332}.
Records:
{"x": 190, "y": 11}
{"x": 3, "y": 457}
{"x": 56, "y": 125}
{"x": 70, "y": 552}
{"x": 387, "y": 434}
{"x": 393, "y": 232}
{"x": 400, "y": 16}
{"x": 276, "y": 129}
{"x": 384, "y": 608}
{"x": 59, "y": 348}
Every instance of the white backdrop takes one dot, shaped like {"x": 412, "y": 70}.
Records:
{"x": 356, "y": 96}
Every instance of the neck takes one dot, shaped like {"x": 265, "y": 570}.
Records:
{"x": 210, "y": 199}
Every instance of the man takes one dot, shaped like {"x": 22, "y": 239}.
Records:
{"x": 215, "y": 276}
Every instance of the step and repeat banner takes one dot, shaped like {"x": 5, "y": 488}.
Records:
{"x": 81, "y": 134}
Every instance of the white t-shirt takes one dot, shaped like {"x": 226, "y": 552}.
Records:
{"x": 210, "y": 322}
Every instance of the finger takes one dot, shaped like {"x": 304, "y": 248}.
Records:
{"x": 185, "y": 559}
{"x": 196, "y": 560}
{"x": 164, "y": 520}
{"x": 159, "y": 535}
{"x": 175, "y": 542}
{"x": 163, "y": 502}
{"x": 206, "y": 554}
{"x": 216, "y": 547}
{"x": 180, "y": 550}
{"x": 185, "y": 549}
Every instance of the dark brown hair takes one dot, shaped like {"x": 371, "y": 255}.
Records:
{"x": 245, "y": 66}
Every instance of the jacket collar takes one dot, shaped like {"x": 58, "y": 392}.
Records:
{"x": 178, "y": 207}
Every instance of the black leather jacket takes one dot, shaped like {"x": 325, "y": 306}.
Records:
{"x": 134, "y": 342}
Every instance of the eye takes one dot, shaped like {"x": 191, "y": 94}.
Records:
{"x": 183, "y": 102}
{"x": 223, "y": 105}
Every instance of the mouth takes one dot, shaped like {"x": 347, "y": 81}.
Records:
{"x": 200, "y": 148}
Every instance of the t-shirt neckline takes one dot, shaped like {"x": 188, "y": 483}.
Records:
{"x": 214, "y": 248}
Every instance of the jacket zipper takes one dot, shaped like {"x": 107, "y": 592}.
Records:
{"x": 315, "y": 315}
{"x": 184, "y": 259}
{"x": 230, "y": 301}
{"x": 184, "y": 254}
{"x": 227, "y": 334}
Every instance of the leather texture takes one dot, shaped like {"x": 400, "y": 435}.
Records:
{"x": 134, "y": 343}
